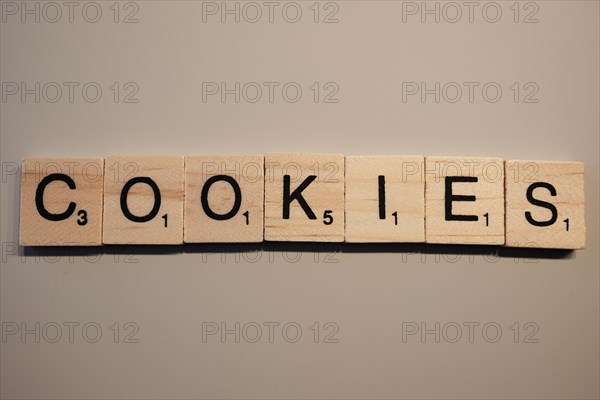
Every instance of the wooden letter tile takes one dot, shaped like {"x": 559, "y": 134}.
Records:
{"x": 224, "y": 199}
{"x": 304, "y": 197}
{"x": 143, "y": 200}
{"x": 61, "y": 202}
{"x": 545, "y": 204}
{"x": 464, "y": 200}
{"x": 385, "y": 199}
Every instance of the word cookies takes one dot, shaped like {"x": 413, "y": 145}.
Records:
{"x": 301, "y": 197}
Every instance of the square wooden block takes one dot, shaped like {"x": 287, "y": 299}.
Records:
{"x": 464, "y": 200}
{"x": 143, "y": 200}
{"x": 304, "y": 197}
{"x": 545, "y": 204}
{"x": 385, "y": 199}
{"x": 61, "y": 202}
{"x": 224, "y": 199}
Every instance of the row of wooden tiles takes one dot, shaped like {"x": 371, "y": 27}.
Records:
{"x": 301, "y": 197}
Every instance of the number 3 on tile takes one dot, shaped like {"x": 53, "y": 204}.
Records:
{"x": 82, "y": 214}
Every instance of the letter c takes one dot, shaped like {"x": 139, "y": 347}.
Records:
{"x": 39, "y": 197}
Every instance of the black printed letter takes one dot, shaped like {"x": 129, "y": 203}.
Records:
{"x": 237, "y": 202}
{"x": 541, "y": 203}
{"x": 125, "y": 192}
{"x": 449, "y": 198}
{"x": 296, "y": 195}
{"x": 39, "y": 197}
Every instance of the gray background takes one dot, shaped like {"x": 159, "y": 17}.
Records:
{"x": 367, "y": 292}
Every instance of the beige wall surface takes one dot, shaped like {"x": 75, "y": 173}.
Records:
{"x": 517, "y": 80}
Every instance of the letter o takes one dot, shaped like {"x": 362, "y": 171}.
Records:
{"x": 486, "y": 337}
{"x": 237, "y": 202}
{"x": 258, "y": 335}
{"x": 125, "y": 192}
{"x": 297, "y": 327}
